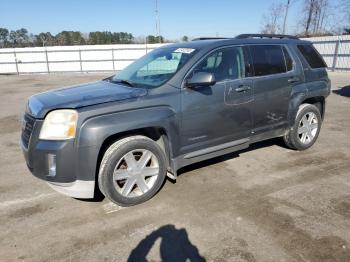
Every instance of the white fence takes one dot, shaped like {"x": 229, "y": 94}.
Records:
{"x": 102, "y": 58}
{"x": 335, "y": 50}
{"x": 55, "y": 59}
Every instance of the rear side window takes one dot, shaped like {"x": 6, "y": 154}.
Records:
{"x": 268, "y": 59}
{"x": 311, "y": 56}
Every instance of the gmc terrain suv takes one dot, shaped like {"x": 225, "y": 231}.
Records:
{"x": 177, "y": 105}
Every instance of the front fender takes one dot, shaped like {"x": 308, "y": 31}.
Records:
{"x": 94, "y": 131}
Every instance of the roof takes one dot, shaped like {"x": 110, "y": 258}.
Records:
{"x": 199, "y": 44}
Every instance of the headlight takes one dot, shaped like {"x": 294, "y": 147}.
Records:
{"x": 59, "y": 125}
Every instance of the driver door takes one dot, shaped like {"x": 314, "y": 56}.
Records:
{"x": 220, "y": 113}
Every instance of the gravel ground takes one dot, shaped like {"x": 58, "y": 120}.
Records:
{"x": 266, "y": 203}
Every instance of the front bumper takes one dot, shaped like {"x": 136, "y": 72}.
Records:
{"x": 74, "y": 167}
{"x": 77, "y": 189}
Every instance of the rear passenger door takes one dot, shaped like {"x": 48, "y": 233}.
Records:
{"x": 274, "y": 75}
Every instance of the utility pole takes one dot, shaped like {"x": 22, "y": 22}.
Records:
{"x": 285, "y": 17}
{"x": 157, "y": 22}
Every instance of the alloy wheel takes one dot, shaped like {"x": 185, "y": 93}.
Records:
{"x": 136, "y": 173}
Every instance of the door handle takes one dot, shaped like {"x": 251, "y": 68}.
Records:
{"x": 242, "y": 88}
{"x": 293, "y": 79}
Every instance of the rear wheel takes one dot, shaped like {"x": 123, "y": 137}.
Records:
{"x": 132, "y": 170}
{"x": 306, "y": 128}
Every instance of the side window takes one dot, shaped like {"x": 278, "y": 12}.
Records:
{"x": 225, "y": 64}
{"x": 268, "y": 59}
{"x": 311, "y": 56}
{"x": 289, "y": 60}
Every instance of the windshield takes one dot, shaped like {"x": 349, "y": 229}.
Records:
{"x": 155, "y": 68}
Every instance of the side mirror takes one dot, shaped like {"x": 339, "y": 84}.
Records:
{"x": 201, "y": 79}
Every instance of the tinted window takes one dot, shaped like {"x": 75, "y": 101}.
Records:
{"x": 225, "y": 64}
{"x": 289, "y": 60}
{"x": 268, "y": 59}
{"x": 311, "y": 56}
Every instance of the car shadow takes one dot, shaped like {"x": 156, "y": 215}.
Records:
{"x": 343, "y": 91}
{"x": 216, "y": 160}
{"x": 174, "y": 246}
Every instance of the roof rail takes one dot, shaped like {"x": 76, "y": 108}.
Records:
{"x": 244, "y": 36}
{"x": 209, "y": 38}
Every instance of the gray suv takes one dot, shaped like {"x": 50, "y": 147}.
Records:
{"x": 177, "y": 105}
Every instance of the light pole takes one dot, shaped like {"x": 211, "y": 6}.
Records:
{"x": 157, "y": 22}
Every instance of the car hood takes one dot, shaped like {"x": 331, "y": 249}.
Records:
{"x": 80, "y": 96}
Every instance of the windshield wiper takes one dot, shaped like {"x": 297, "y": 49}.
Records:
{"x": 121, "y": 81}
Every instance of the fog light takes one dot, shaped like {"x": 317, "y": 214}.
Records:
{"x": 51, "y": 160}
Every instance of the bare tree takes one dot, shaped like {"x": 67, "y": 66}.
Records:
{"x": 317, "y": 15}
{"x": 286, "y": 16}
{"x": 4, "y": 33}
{"x": 271, "y": 21}
{"x": 345, "y": 7}
{"x": 310, "y": 11}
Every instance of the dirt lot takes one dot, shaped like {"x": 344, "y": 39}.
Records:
{"x": 266, "y": 203}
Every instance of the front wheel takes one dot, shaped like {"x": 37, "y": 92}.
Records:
{"x": 306, "y": 128}
{"x": 132, "y": 170}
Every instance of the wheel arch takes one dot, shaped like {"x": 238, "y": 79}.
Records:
{"x": 302, "y": 98}
{"x": 157, "y": 133}
{"x": 318, "y": 101}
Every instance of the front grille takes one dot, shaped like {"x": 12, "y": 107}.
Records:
{"x": 27, "y": 129}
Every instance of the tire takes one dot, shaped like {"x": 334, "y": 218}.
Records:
{"x": 297, "y": 136}
{"x": 122, "y": 175}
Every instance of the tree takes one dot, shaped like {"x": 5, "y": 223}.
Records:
{"x": 184, "y": 38}
{"x": 70, "y": 38}
{"x": 285, "y": 17}
{"x": 315, "y": 17}
{"x": 4, "y": 33}
{"x": 44, "y": 39}
{"x": 110, "y": 38}
{"x": 271, "y": 23}
{"x": 151, "y": 39}
{"x": 345, "y": 7}
{"x": 19, "y": 38}
{"x": 63, "y": 38}
{"x": 77, "y": 38}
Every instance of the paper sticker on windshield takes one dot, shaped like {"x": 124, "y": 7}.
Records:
{"x": 184, "y": 50}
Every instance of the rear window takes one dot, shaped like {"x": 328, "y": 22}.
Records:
{"x": 311, "y": 56}
{"x": 268, "y": 59}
